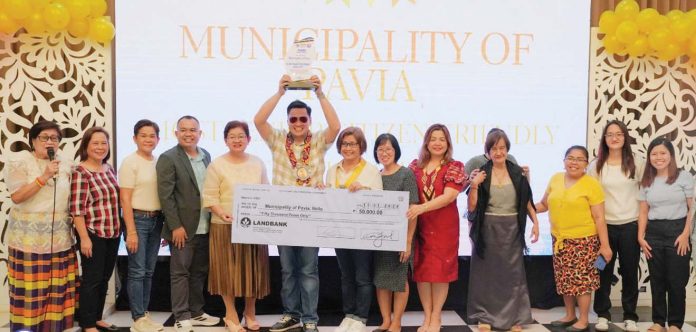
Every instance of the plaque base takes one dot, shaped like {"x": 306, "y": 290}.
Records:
{"x": 300, "y": 85}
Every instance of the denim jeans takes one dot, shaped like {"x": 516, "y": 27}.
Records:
{"x": 300, "y": 289}
{"x": 141, "y": 264}
{"x": 356, "y": 282}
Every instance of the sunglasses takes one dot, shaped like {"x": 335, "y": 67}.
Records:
{"x": 302, "y": 119}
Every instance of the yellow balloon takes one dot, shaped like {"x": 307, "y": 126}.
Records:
{"x": 681, "y": 29}
{"x": 18, "y": 9}
{"x": 662, "y": 22}
{"x": 659, "y": 38}
{"x": 34, "y": 24}
{"x": 8, "y": 26}
{"x": 101, "y": 30}
{"x": 647, "y": 19}
{"x": 56, "y": 16}
{"x": 612, "y": 45}
{"x": 627, "y": 32}
{"x": 627, "y": 9}
{"x": 691, "y": 13}
{"x": 39, "y": 5}
{"x": 675, "y": 14}
{"x": 98, "y": 8}
{"x": 639, "y": 47}
{"x": 78, "y": 28}
{"x": 670, "y": 52}
{"x": 78, "y": 8}
{"x": 608, "y": 22}
{"x": 692, "y": 45}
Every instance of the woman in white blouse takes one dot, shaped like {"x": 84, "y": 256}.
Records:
{"x": 354, "y": 173}
{"x": 236, "y": 270}
{"x": 619, "y": 172}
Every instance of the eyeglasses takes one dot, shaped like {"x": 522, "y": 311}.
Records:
{"x": 385, "y": 151}
{"x": 54, "y": 139}
{"x": 349, "y": 144}
{"x": 237, "y": 138}
{"x": 302, "y": 119}
{"x": 575, "y": 160}
{"x": 612, "y": 135}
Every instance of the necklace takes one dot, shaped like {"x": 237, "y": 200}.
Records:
{"x": 499, "y": 178}
{"x": 303, "y": 171}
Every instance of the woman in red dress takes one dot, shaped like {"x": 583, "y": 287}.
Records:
{"x": 440, "y": 179}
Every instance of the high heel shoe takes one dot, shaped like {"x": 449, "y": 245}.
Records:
{"x": 250, "y": 324}
{"x": 232, "y": 327}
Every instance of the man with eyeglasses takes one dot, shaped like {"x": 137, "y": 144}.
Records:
{"x": 298, "y": 160}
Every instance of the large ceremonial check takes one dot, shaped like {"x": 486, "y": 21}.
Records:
{"x": 329, "y": 218}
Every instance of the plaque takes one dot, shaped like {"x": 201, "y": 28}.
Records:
{"x": 298, "y": 64}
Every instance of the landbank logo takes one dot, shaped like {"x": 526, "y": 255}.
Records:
{"x": 246, "y": 222}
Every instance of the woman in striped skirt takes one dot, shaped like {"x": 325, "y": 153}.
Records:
{"x": 42, "y": 261}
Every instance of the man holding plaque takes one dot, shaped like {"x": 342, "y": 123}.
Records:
{"x": 298, "y": 160}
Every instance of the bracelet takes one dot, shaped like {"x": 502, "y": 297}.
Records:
{"x": 39, "y": 182}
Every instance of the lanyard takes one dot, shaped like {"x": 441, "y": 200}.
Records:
{"x": 353, "y": 175}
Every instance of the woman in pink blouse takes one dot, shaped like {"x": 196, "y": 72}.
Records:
{"x": 94, "y": 208}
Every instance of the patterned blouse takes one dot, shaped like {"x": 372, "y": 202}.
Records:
{"x": 94, "y": 195}
{"x": 29, "y": 222}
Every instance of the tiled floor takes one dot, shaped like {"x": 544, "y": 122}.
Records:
{"x": 451, "y": 321}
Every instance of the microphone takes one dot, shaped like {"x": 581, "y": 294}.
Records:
{"x": 51, "y": 156}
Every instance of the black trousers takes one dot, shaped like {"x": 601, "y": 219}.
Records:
{"x": 623, "y": 240}
{"x": 96, "y": 272}
{"x": 669, "y": 272}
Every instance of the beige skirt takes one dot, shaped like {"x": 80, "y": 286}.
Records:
{"x": 237, "y": 270}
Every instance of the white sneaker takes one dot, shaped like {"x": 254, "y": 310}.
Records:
{"x": 140, "y": 325}
{"x": 205, "y": 320}
{"x": 183, "y": 326}
{"x": 602, "y": 324}
{"x": 345, "y": 325}
{"x": 155, "y": 327}
{"x": 630, "y": 326}
{"x": 357, "y": 326}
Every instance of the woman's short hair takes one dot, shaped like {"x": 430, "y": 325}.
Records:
{"x": 495, "y": 135}
{"x": 84, "y": 143}
{"x": 235, "y": 124}
{"x": 383, "y": 139}
{"x": 40, "y": 126}
{"x": 579, "y": 148}
{"x": 145, "y": 123}
{"x": 355, "y": 132}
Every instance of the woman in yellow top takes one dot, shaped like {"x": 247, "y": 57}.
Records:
{"x": 575, "y": 202}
